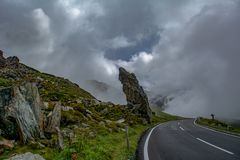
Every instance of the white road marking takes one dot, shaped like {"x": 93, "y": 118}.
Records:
{"x": 181, "y": 128}
{"x": 146, "y": 143}
{"x": 178, "y": 123}
{"x": 224, "y": 150}
{"x": 214, "y": 130}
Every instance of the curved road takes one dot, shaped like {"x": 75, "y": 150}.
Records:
{"x": 183, "y": 140}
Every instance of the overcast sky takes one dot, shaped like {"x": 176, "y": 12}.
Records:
{"x": 191, "y": 45}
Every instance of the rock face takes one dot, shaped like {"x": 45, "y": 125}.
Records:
{"x": 20, "y": 112}
{"x": 136, "y": 98}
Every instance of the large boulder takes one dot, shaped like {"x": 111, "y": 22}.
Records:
{"x": 136, "y": 98}
{"x": 27, "y": 156}
{"x": 20, "y": 112}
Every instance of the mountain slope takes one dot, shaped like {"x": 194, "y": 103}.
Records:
{"x": 51, "y": 88}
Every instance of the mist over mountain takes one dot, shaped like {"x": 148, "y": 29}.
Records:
{"x": 105, "y": 92}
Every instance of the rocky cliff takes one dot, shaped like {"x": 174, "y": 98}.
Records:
{"x": 136, "y": 98}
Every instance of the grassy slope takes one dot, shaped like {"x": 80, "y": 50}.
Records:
{"x": 104, "y": 146}
{"x": 218, "y": 125}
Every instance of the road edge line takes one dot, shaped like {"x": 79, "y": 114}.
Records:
{"x": 213, "y": 130}
{"x": 145, "y": 149}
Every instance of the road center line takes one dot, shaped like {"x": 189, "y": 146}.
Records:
{"x": 181, "y": 128}
{"x": 224, "y": 150}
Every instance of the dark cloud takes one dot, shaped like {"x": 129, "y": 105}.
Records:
{"x": 170, "y": 45}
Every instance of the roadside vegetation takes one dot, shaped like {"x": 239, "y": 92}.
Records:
{"x": 218, "y": 125}
{"x": 105, "y": 145}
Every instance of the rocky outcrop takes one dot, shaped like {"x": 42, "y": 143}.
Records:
{"x": 27, "y": 156}
{"x": 2, "y": 60}
{"x": 136, "y": 98}
{"x": 20, "y": 113}
{"x": 11, "y": 62}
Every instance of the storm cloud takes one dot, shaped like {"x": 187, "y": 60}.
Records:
{"x": 171, "y": 45}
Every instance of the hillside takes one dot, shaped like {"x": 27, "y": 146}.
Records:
{"x": 55, "y": 118}
{"x": 52, "y": 88}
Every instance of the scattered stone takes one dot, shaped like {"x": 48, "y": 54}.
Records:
{"x": 108, "y": 121}
{"x": 89, "y": 116}
{"x": 46, "y": 105}
{"x": 66, "y": 108}
{"x": 120, "y": 121}
{"x": 92, "y": 134}
{"x": 27, "y": 156}
{"x": 60, "y": 143}
{"x": 84, "y": 125}
{"x": 66, "y": 132}
{"x": 89, "y": 112}
{"x": 104, "y": 111}
{"x": 40, "y": 79}
{"x": 41, "y": 145}
{"x": 101, "y": 123}
{"x": 137, "y": 100}
{"x": 122, "y": 129}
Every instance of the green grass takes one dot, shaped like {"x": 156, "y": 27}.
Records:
{"x": 218, "y": 125}
{"x": 105, "y": 145}
{"x": 5, "y": 82}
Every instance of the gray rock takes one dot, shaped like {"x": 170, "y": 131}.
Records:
{"x": 27, "y": 156}
{"x": 84, "y": 125}
{"x": 120, "y": 121}
{"x": 104, "y": 111}
{"x": 54, "y": 119}
{"x": 60, "y": 143}
{"x": 67, "y": 108}
{"x": 136, "y": 98}
{"x": 20, "y": 107}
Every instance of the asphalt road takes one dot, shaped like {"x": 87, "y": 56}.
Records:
{"x": 183, "y": 140}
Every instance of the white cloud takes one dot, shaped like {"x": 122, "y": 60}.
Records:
{"x": 42, "y": 21}
{"x": 145, "y": 57}
{"x": 43, "y": 25}
{"x": 119, "y": 42}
